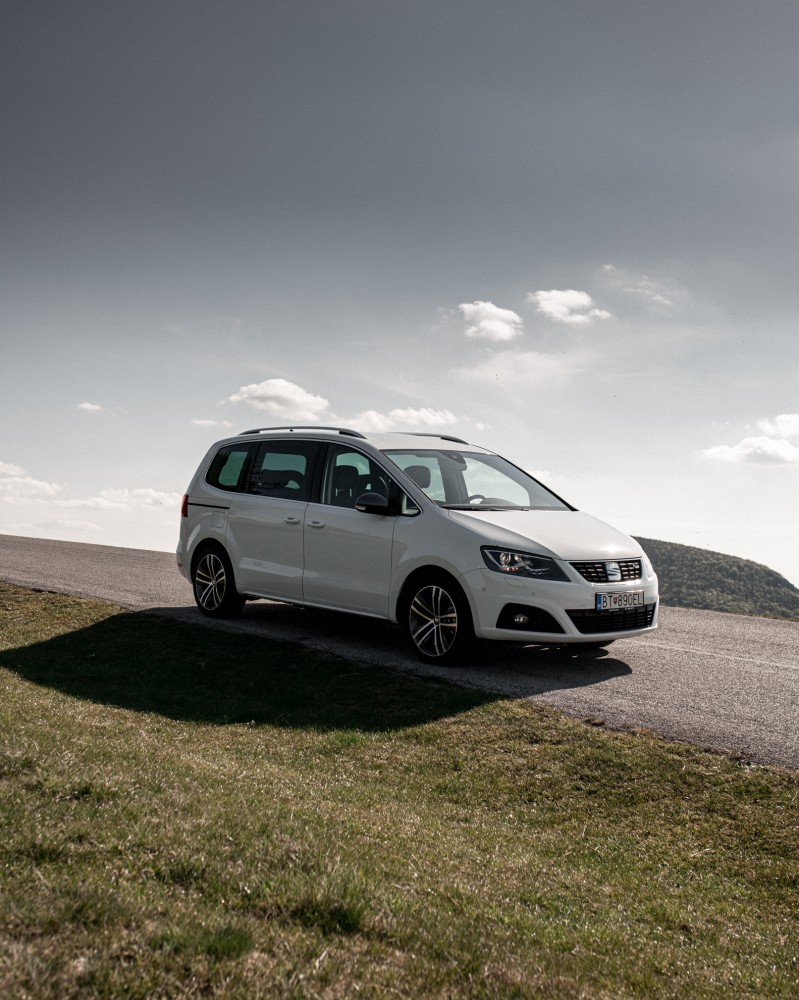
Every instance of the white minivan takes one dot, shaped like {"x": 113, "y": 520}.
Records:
{"x": 446, "y": 538}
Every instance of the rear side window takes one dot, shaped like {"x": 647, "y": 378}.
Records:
{"x": 225, "y": 472}
{"x": 284, "y": 469}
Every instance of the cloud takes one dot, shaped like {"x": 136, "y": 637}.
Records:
{"x": 211, "y": 423}
{"x": 762, "y": 450}
{"x": 772, "y": 447}
{"x": 15, "y": 489}
{"x": 526, "y": 368}
{"x": 90, "y": 407}
{"x": 638, "y": 284}
{"x": 372, "y": 420}
{"x": 55, "y": 524}
{"x": 567, "y": 305}
{"x": 485, "y": 321}
{"x": 283, "y": 400}
{"x": 124, "y": 499}
{"x": 287, "y": 401}
{"x": 6, "y": 469}
{"x": 786, "y": 425}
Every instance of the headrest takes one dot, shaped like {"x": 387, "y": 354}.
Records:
{"x": 420, "y": 474}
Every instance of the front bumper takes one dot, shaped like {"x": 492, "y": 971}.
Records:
{"x": 556, "y": 611}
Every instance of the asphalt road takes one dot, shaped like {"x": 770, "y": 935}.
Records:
{"x": 729, "y": 682}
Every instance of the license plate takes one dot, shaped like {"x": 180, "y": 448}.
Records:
{"x": 618, "y": 602}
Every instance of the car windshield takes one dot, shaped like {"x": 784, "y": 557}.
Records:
{"x": 464, "y": 480}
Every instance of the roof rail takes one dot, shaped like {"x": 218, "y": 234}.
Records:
{"x": 441, "y": 437}
{"x": 307, "y": 427}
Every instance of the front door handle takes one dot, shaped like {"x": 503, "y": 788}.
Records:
{"x": 316, "y": 524}
{"x": 291, "y": 520}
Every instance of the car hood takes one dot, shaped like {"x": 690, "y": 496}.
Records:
{"x": 565, "y": 534}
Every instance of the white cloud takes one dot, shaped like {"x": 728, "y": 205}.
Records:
{"x": 485, "y": 321}
{"x": 7, "y": 469}
{"x": 525, "y": 368}
{"x": 211, "y": 423}
{"x": 124, "y": 499}
{"x": 283, "y": 400}
{"x": 763, "y": 450}
{"x": 567, "y": 305}
{"x": 90, "y": 407}
{"x": 55, "y": 524}
{"x": 287, "y": 401}
{"x": 785, "y": 425}
{"x": 15, "y": 489}
{"x": 372, "y": 420}
{"x": 638, "y": 284}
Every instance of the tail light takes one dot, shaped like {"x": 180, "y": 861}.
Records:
{"x": 184, "y": 507}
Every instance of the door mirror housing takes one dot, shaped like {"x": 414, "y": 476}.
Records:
{"x": 372, "y": 503}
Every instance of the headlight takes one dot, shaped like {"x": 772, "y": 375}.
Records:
{"x": 513, "y": 563}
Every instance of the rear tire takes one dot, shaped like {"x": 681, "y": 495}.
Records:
{"x": 438, "y": 621}
{"x": 213, "y": 584}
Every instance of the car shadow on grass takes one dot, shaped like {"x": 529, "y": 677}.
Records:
{"x": 176, "y": 668}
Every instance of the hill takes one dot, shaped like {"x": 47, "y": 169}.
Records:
{"x": 696, "y": 578}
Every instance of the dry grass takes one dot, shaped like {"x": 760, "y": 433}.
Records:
{"x": 188, "y": 812}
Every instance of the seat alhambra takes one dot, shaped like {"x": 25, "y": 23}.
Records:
{"x": 447, "y": 539}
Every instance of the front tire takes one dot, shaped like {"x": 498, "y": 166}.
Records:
{"x": 438, "y": 621}
{"x": 213, "y": 584}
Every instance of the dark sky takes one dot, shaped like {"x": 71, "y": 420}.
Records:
{"x": 197, "y": 197}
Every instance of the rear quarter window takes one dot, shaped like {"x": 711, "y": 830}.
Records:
{"x": 225, "y": 471}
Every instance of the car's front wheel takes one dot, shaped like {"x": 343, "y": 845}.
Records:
{"x": 214, "y": 587}
{"x": 438, "y": 620}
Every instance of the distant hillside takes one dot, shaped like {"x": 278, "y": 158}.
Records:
{"x": 695, "y": 578}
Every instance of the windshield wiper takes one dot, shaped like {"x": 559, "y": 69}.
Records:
{"x": 479, "y": 506}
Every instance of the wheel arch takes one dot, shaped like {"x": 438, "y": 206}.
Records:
{"x": 424, "y": 573}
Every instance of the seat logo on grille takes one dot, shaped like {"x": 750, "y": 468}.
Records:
{"x": 614, "y": 572}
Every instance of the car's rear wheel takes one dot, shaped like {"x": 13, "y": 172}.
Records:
{"x": 214, "y": 587}
{"x": 438, "y": 620}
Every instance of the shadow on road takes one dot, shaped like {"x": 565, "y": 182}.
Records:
{"x": 513, "y": 670}
{"x": 151, "y": 663}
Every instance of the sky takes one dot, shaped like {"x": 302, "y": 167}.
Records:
{"x": 566, "y": 230}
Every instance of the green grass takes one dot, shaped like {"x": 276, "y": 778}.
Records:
{"x": 192, "y": 812}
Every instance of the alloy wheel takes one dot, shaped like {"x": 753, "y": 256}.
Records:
{"x": 433, "y": 621}
{"x": 210, "y": 582}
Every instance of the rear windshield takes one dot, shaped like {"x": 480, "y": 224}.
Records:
{"x": 464, "y": 480}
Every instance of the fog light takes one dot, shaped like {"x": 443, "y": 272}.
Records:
{"x": 520, "y": 619}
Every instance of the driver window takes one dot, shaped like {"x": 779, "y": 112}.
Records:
{"x": 349, "y": 474}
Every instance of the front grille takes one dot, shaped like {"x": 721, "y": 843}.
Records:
{"x": 592, "y": 622}
{"x": 597, "y": 572}
{"x": 538, "y": 620}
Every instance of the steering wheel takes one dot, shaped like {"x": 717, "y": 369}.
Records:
{"x": 475, "y": 496}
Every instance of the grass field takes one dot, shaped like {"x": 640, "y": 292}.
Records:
{"x": 192, "y": 812}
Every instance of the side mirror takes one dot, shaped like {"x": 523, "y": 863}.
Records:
{"x": 372, "y": 503}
